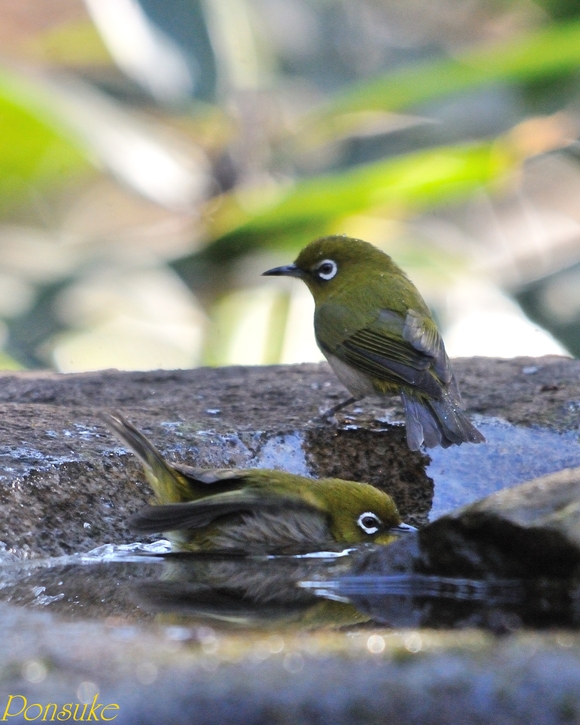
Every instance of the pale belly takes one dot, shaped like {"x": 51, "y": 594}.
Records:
{"x": 358, "y": 384}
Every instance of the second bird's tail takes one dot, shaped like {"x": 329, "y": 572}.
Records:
{"x": 164, "y": 479}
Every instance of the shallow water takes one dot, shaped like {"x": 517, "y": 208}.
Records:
{"x": 461, "y": 474}
{"x": 140, "y": 583}
{"x": 511, "y": 455}
{"x": 145, "y": 582}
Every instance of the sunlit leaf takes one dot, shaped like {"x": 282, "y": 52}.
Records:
{"x": 9, "y": 363}
{"x": 394, "y": 187}
{"x": 35, "y": 150}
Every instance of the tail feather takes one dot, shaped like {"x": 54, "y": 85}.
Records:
{"x": 437, "y": 423}
{"x": 166, "y": 482}
{"x": 421, "y": 425}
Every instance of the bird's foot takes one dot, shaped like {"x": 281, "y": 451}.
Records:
{"x": 331, "y": 412}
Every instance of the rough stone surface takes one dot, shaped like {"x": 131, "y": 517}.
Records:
{"x": 66, "y": 485}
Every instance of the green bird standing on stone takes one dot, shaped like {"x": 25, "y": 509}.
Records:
{"x": 256, "y": 510}
{"x": 379, "y": 337}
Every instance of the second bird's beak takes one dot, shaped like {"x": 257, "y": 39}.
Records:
{"x": 290, "y": 270}
{"x": 402, "y": 529}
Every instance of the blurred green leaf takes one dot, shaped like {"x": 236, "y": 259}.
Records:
{"x": 395, "y": 187}
{"x": 540, "y": 54}
{"x": 9, "y": 363}
{"x": 35, "y": 150}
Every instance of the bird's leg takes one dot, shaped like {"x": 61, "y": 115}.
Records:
{"x": 332, "y": 411}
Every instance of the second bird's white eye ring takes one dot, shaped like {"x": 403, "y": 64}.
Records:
{"x": 369, "y": 522}
{"x": 327, "y": 269}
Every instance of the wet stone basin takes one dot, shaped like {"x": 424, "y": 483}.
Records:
{"x": 477, "y": 613}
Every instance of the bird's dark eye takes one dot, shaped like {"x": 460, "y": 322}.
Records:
{"x": 370, "y": 523}
{"x": 326, "y": 269}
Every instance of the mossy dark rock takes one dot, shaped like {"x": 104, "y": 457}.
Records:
{"x": 530, "y": 530}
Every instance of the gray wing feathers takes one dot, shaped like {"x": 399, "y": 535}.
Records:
{"x": 210, "y": 475}
{"x": 425, "y": 338}
{"x": 201, "y": 513}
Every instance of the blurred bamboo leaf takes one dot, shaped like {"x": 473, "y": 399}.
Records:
{"x": 35, "y": 151}
{"x": 394, "y": 186}
{"x": 8, "y": 363}
{"x": 541, "y": 54}
{"x": 52, "y": 129}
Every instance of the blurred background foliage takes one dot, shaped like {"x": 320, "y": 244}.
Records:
{"x": 157, "y": 155}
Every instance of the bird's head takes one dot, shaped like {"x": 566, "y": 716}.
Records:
{"x": 360, "y": 513}
{"x": 332, "y": 263}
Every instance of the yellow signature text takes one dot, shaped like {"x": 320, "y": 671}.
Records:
{"x": 17, "y": 705}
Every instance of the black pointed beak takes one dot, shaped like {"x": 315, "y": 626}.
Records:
{"x": 402, "y": 529}
{"x": 291, "y": 270}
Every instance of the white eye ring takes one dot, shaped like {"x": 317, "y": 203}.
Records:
{"x": 369, "y": 527}
{"x": 330, "y": 269}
